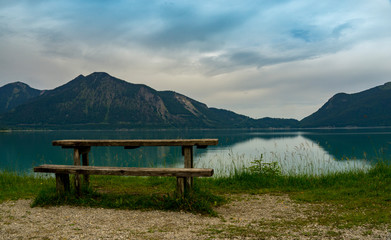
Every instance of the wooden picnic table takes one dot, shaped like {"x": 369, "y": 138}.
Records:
{"x": 81, "y": 149}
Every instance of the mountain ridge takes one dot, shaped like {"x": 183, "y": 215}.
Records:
{"x": 102, "y": 101}
{"x": 368, "y": 108}
{"x": 15, "y": 94}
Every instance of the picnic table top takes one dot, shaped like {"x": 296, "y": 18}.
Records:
{"x": 134, "y": 142}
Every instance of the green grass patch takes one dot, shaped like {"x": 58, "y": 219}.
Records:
{"x": 354, "y": 197}
{"x": 133, "y": 193}
{"x": 21, "y": 186}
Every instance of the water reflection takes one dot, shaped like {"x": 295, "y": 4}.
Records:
{"x": 295, "y": 155}
{"x": 370, "y": 145}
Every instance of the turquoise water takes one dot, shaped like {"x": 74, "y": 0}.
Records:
{"x": 309, "y": 151}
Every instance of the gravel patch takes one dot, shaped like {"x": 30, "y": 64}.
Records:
{"x": 245, "y": 217}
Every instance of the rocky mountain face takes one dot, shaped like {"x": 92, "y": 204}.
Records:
{"x": 368, "y": 108}
{"x": 15, "y": 94}
{"x": 100, "y": 101}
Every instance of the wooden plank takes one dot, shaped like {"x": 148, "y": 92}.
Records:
{"x": 180, "y": 186}
{"x": 188, "y": 159}
{"x": 76, "y": 162}
{"x": 86, "y": 162}
{"x": 188, "y": 156}
{"x": 136, "y": 143}
{"x": 125, "y": 171}
{"x": 62, "y": 182}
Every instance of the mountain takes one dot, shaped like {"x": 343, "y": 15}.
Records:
{"x": 268, "y": 122}
{"x": 368, "y": 108}
{"x": 15, "y": 94}
{"x": 100, "y": 101}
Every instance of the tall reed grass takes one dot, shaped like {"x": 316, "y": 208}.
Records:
{"x": 304, "y": 158}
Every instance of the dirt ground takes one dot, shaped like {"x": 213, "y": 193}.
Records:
{"x": 245, "y": 217}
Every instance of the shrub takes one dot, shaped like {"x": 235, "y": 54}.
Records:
{"x": 259, "y": 166}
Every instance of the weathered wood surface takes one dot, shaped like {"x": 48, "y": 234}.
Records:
{"x": 83, "y": 147}
{"x": 76, "y": 162}
{"x": 125, "y": 171}
{"x": 86, "y": 162}
{"x": 187, "y": 153}
{"x": 62, "y": 182}
{"x": 202, "y": 143}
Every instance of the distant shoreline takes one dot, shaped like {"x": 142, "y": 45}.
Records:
{"x": 185, "y": 129}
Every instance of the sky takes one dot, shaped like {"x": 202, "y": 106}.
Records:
{"x": 264, "y": 58}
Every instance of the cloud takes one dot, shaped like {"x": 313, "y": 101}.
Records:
{"x": 268, "y": 54}
{"x": 234, "y": 60}
{"x": 187, "y": 32}
{"x": 302, "y": 34}
{"x": 339, "y": 30}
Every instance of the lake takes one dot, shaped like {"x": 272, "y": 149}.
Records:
{"x": 297, "y": 151}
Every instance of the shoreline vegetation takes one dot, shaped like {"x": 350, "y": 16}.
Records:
{"x": 354, "y": 198}
{"x": 48, "y": 128}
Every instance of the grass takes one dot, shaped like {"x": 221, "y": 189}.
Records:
{"x": 15, "y": 186}
{"x": 133, "y": 193}
{"x": 353, "y": 198}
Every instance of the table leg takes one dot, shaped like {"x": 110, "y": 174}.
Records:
{"x": 86, "y": 162}
{"x": 62, "y": 183}
{"x": 180, "y": 186}
{"x": 187, "y": 152}
{"x": 83, "y": 152}
{"x": 76, "y": 162}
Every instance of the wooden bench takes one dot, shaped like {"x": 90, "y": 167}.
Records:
{"x": 63, "y": 184}
{"x": 81, "y": 161}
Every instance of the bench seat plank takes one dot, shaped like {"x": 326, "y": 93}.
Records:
{"x": 124, "y": 171}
